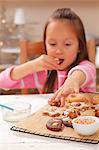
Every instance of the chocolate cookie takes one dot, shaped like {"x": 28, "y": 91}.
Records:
{"x": 97, "y": 113}
{"x": 54, "y": 124}
{"x": 67, "y": 122}
{"x": 53, "y": 103}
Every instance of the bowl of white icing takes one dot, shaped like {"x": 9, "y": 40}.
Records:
{"x": 21, "y": 111}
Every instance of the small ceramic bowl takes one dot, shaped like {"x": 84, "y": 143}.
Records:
{"x": 86, "y": 125}
{"x": 21, "y": 111}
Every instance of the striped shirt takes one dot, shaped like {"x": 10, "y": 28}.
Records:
{"x": 37, "y": 79}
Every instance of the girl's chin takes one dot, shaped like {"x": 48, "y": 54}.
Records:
{"x": 62, "y": 68}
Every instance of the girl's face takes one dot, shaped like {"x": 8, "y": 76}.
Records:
{"x": 62, "y": 43}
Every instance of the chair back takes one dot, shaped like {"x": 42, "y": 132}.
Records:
{"x": 30, "y": 49}
{"x": 91, "y": 46}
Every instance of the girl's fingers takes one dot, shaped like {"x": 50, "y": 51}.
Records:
{"x": 55, "y": 98}
{"x": 49, "y": 67}
{"x": 51, "y": 61}
{"x": 76, "y": 89}
{"x": 62, "y": 101}
{"x": 58, "y": 94}
{"x": 48, "y": 62}
{"x": 62, "y": 92}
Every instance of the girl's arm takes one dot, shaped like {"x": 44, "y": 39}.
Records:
{"x": 81, "y": 77}
{"x": 27, "y": 74}
{"x": 71, "y": 85}
{"x": 44, "y": 62}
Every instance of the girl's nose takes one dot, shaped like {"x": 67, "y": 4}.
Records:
{"x": 58, "y": 51}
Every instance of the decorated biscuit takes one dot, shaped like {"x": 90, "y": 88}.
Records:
{"x": 72, "y": 113}
{"x": 87, "y": 111}
{"x": 78, "y": 97}
{"x": 52, "y": 111}
{"x": 96, "y": 99}
{"x": 97, "y": 113}
{"x": 54, "y": 124}
{"x": 67, "y": 121}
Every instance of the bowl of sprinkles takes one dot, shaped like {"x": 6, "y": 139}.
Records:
{"x": 86, "y": 125}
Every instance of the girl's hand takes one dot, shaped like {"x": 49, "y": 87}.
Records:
{"x": 45, "y": 62}
{"x": 70, "y": 86}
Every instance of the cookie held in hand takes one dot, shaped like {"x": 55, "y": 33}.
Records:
{"x": 54, "y": 124}
{"x": 54, "y": 103}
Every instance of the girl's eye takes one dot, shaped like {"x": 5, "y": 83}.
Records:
{"x": 67, "y": 44}
{"x": 52, "y": 44}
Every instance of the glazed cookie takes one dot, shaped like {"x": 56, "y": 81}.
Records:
{"x": 76, "y": 109}
{"x": 96, "y": 108}
{"x": 96, "y": 99}
{"x": 72, "y": 113}
{"x": 80, "y": 105}
{"x": 52, "y": 112}
{"x": 54, "y": 124}
{"x": 76, "y": 104}
{"x": 80, "y": 97}
{"x": 87, "y": 111}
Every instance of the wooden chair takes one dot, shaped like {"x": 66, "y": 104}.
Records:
{"x": 30, "y": 50}
{"x": 91, "y": 45}
{"x": 34, "y": 49}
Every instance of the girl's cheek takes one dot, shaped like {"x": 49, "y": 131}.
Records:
{"x": 50, "y": 52}
{"x": 73, "y": 56}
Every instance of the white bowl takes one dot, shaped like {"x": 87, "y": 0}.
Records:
{"x": 21, "y": 111}
{"x": 86, "y": 125}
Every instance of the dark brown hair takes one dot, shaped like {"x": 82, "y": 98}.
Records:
{"x": 67, "y": 14}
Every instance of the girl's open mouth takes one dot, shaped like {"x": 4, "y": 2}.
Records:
{"x": 60, "y": 61}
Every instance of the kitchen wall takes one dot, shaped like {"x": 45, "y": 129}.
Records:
{"x": 38, "y": 11}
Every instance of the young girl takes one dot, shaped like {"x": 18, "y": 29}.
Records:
{"x": 65, "y": 68}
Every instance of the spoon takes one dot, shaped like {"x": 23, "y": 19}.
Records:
{"x": 7, "y": 107}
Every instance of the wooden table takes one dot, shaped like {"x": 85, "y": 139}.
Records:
{"x": 10, "y": 140}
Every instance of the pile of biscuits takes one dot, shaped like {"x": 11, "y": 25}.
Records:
{"x": 76, "y": 105}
